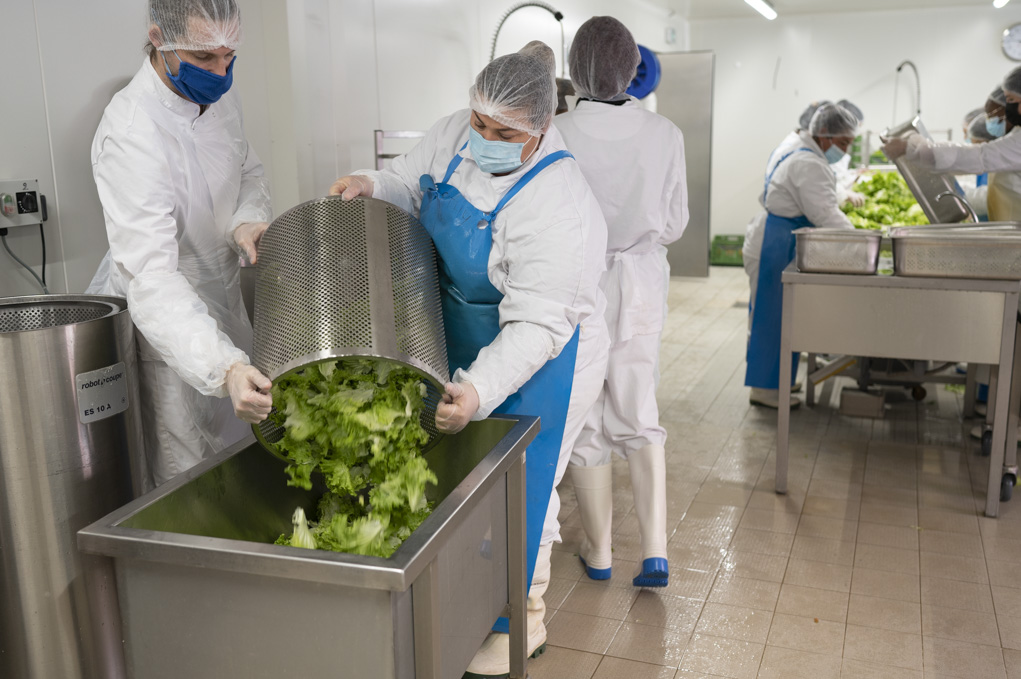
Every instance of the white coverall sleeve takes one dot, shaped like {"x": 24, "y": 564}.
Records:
{"x": 677, "y": 201}
{"x": 137, "y": 196}
{"x": 999, "y": 155}
{"x": 254, "y": 203}
{"x": 543, "y": 292}
{"x": 816, "y": 195}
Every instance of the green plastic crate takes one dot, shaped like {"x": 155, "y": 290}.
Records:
{"x": 726, "y": 251}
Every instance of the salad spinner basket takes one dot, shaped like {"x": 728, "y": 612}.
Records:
{"x": 348, "y": 278}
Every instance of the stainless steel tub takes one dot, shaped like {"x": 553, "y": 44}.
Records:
{"x": 832, "y": 250}
{"x": 990, "y": 250}
{"x": 202, "y": 594}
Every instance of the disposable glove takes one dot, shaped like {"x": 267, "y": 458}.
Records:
{"x": 856, "y": 199}
{"x": 352, "y": 185}
{"x": 457, "y": 406}
{"x": 895, "y": 148}
{"x": 247, "y": 237}
{"x": 249, "y": 392}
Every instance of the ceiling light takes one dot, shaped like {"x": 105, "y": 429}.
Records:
{"x": 996, "y": 3}
{"x": 766, "y": 10}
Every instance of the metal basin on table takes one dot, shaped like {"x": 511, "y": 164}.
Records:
{"x": 203, "y": 593}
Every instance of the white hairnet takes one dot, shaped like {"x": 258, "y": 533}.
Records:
{"x": 855, "y": 111}
{"x": 970, "y": 116}
{"x": 603, "y": 59}
{"x": 518, "y": 90}
{"x": 977, "y": 130}
{"x": 998, "y": 96}
{"x": 1012, "y": 83}
{"x": 196, "y": 24}
{"x": 832, "y": 120}
{"x": 806, "y": 116}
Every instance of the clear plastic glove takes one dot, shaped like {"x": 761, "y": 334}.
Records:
{"x": 247, "y": 237}
{"x": 856, "y": 199}
{"x": 459, "y": 403}
{"x": 249, "y": 392}
{"x": 351, "y": 186}
{"x": 895, "y": 148}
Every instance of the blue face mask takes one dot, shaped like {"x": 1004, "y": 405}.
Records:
{"x": 197, "y": 84}
{"x": 494, "y": 157}
{"x": 833, "y": 154}
{"x": 996, "y": 126}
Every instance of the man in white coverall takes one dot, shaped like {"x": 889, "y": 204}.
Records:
{"x": 800, "y": 191}
{"x": 634, "y": 161}
{"x": 521, "y": 242}
{"x": 183, "y": 195}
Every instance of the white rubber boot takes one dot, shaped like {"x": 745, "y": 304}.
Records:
{"x": 493, "y": 659}
{"x": 593, "y": 487}
{"x": 648, "y": 483}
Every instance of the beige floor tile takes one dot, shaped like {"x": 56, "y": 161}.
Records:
{"x": 764, "y": 519}
{"x": 754, "y": 566}
{"x": 999, "y": 549}
{"x": 833, "y": 508}
{"x": 685, "y": 674}
{"x": 648, "y": 644}
{"x": 953, "y": 567}
{"x": 1003, "y": 574}
{"x": 902, "y": 497}
{"x": 954, "y": 544}
{"x": 885, "y": 535}
{"x": 669, "y": 612}
{"x": 883, "y": 647}
{"x": 970, "y": 596}
{"x": 818, "y": 575}
{"x": 807, "y": 634}
{"x": 732, "y": 493}
{"x": 899, "y": 616}
{"x": 812, "y": 603}
{"x": 734, "y": 622}
{"x": 1010, "y": 631}
{"x": 557, "y": 591}
{"x": 565, "y": 565}
{"x": 618, "y": 668}
{"x": 960, "y": 625}
{"x": 857, "y": 669}
{"x": 840, "y": 552}
{"x": 599, "y": 600}
{"x": 1007, "y": 601}
{"x": 737, "y": 591}
{"x": 827, "y": 528}
{"x": 881, "y": 558}
{"x": 730, "y": 658}
{"x": 888, "y": 585}
{"x": 696, "y": 557}
{"x": 563, "y": 663}
{"x": 698, "y": 534}
{"x": 962, "y": 659}
{"x": 838, "y": 490}
{"x": 884, "y": 512}
{"x": 1012, "y": 659}
{"x": 762, "y": 541}
{"x": 690, "y": 583}
{"x": 788, "y": 663}
{"x": 714, "y": 514}
{"x": 790, "y": 502}
{"x": 581, "y": 632}
{"x": 949, "y": 521}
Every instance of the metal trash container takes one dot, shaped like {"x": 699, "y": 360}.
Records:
{"x": 69, "y": 428}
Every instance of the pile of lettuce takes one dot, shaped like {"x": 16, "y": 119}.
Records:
{"x": 888, "y": 202}
{"x": 357, "y": 422}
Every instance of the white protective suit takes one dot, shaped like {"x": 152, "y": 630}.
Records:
{"x": 549, "y": 243}
{"x": 174, "y": 185}
{"x": 1001, "y": 157}
{"x": 643, "y": 214}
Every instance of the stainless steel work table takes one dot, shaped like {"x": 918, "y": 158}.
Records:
{"x": 936, "y": 319}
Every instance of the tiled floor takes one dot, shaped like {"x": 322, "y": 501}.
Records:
{"x": 877, "y": 564}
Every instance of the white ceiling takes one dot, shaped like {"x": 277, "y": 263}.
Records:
{"x": 730, "y": 9}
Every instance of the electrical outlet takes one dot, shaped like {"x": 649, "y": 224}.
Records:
{"x": 20, "y": 203}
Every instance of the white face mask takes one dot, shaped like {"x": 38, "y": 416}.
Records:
{"x": 834, "y": 153}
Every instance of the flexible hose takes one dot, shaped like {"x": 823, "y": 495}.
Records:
{"x": 3, "y": 238}
{"x": 549, "y": 8}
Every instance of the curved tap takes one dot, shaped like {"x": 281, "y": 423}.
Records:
{"x": 962, "y": 201}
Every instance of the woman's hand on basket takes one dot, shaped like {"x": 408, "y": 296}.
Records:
{"x": 249, "y": 392}
{"x": 351, "y": 186}
{"x": 459, "y": 403}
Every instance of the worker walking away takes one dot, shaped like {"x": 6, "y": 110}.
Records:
{"x": 634, "y": 161}
{"x": 521, "y": 244}
{"x": 800, "y": 190}
{"x": 183, "y": 196}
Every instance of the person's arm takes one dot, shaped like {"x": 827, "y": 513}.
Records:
{"x": 253, "y": 209}
{"x": 999, "y": 155}
{"x": 815, "y": 192}
{"x": 677, "y": 201}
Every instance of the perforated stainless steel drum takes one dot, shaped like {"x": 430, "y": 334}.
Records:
{"x": 354, "y": 278}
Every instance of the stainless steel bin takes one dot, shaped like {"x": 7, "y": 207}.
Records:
{"x": 203, "y": 593}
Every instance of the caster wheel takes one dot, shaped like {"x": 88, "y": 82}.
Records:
{"x": 1007, "y": 487}
{"x": 918, "y": 393}
{"x": 987, "y": 443}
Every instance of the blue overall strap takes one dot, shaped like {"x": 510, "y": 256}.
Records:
{"x": 454, "y": 162}
{"x": 769, "y": 177}
{"x": 539, "y": 167}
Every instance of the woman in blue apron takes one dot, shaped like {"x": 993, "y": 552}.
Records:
{"x": 520, "y": 240}
{"x": 800, "y": 191}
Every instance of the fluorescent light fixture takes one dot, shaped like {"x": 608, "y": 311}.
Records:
{"x": 999, "y": 3}
{"x": 766, "y": 10}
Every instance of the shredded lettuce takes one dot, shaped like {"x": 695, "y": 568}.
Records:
{"x": 357, "y": 422}
{"x": 888, "y": 202}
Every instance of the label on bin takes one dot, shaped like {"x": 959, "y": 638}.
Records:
{"x": 101, "y": 393}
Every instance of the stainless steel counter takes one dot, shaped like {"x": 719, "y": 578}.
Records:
{"x": 938, "y": 319}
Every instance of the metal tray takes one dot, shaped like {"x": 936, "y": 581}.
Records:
{"x": 831, "y": 250}
{"x": 928, "y": 187}
{"x": 990, "y": 250}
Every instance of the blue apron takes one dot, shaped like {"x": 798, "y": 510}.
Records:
{"x": 778, "y": 243}
{"x": 463, "y": 238}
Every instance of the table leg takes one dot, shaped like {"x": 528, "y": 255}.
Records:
{"x": 809, "y": 384}
{"x": 970, "y": 390}
{"x": 1001, "y": 404}
{"x": 516, "y": 569}
{"x": 783, "y": 419}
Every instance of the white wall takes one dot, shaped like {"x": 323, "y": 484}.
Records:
{"x": 833, "y": 56}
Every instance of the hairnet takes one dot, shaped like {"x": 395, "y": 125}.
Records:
{"x": 197, "y": 24}
{"x": 518, "y": 90}
{"x": 603, "y": 59}
{"x": 832, "y": 120}
{"x": 806, "y": 115}
{"x": 855, "y": 111}
{"x": 1012, "y": 83}
{"x": 971, "y": 115}
{"x": 977, "y": 128}
{"x": 998, "y": 96}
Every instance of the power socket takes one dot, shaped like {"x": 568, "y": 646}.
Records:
{"x": 21, "y": 204}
